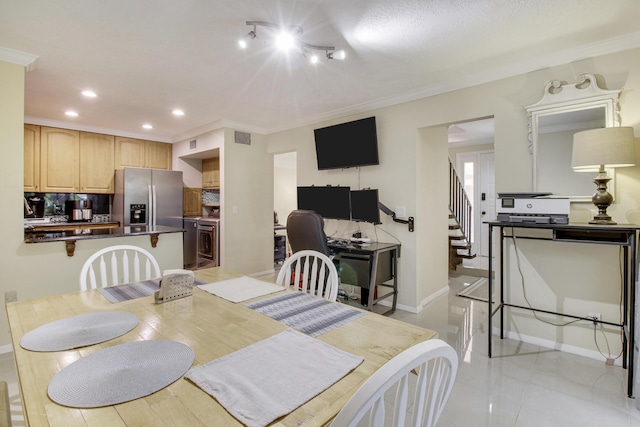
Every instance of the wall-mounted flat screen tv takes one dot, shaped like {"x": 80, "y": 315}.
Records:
{"x": 329, "y": 202}
{"x": 347, "y": 145}
{"x": 364, "y": 206}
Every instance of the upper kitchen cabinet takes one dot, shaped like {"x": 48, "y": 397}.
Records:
{"x": 192, "y": 201}
{"x": 31, "y": 158}
{"x": 158, "y": 155}
{"x": 211, "y": 173}
{"x": 59, "y": 160}
{"x": 97, "y": 163}
{"x": 139, "y": 153}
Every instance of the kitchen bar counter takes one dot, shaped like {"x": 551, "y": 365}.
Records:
{"x": 57, "y": 226}
{"x": 71, "y": 236}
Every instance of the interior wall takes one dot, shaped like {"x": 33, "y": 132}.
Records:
{"x": 400, "y": 181}
{"x": 432, "y": 237}
{"x": 453, "y": 152}
{"x": 12, "y": 264}
{"x": 246, "y": 175}
{"x": 189, "y": 160}
{"x": 284, "y": 185}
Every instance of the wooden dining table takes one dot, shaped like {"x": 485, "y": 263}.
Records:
{"x": 213, "y": 327}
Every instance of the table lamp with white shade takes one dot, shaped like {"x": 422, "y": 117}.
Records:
{"x": 597, "y": 149}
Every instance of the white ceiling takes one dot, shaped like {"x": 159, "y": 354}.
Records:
{"x": 147, "y": 57}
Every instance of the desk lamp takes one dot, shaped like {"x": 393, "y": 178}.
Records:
{"x": 595, "y": 149}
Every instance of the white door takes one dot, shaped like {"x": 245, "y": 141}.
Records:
{"x": 487, "y": 196}
{"x": 476, "y": 171}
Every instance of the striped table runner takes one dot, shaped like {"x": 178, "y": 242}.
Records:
{"x": 309, "y": 314}
{"x": 129, "y": 291}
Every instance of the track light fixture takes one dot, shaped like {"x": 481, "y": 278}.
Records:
{"x": 288, "y": 38}
{"x": 243, "y": 42}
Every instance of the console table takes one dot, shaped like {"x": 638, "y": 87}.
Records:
{"x": 623, "y": 235}
{"x": 369, "y": 266}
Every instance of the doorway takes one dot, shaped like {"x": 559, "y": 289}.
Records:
{"x": 471, "y": 151}
{"x": 477, "y": 172}
{"x": 285, "y": 199}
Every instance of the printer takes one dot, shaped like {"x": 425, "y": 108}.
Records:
{"x": 536, "y": 208}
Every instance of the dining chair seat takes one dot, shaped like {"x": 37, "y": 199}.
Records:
{"x": 118, "y": 264}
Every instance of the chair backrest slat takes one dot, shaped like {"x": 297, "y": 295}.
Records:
{"x": 114, "y": 270}
{"x": 437, "y": 363}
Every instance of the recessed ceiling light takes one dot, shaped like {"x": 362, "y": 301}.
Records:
{"x": 147, "y": 126}
{"x": 71, "y": 113}
{"x": 178, "y": 112}
{"x": 89, "y": 93}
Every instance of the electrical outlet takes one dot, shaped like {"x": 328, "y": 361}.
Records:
{"x": 401, "y": 211}
{"x": 595, "y": 316}
{"x": 11, "y": 296}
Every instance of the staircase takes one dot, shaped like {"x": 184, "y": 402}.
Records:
{"x": 460, "y": 217}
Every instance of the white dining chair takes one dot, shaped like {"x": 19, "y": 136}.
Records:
{"x": 312, "y": 272}
{"x": 5, "y": 407}
{"x": 433, "y": 361}
{"x": 118, "y": 264}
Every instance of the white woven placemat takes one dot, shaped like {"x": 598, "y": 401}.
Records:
{"x": 241, "y": 288}
{"x": 79, "y": 331}
{"x": 266, "y": 380}
{"x": 120, "y": 373}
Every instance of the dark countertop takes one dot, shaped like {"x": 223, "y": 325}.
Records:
{"x": 29, "y": 227}
{"x": 97, "y": 233}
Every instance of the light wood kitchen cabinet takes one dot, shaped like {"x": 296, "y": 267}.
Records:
{"x": 59, "y": 160}
{"x": 211, "y": 173}
{"x": 139, "y": 153}
{"x": 97, "y": 163}
{"x": 191, "y": 201}
{"x": 158, "y": 155}
{"x": 31, "y": 158}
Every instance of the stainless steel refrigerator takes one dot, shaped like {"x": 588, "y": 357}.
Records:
{"x": 148, "y": 197}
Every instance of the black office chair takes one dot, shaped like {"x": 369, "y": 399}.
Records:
{"x": 305, "y": 230}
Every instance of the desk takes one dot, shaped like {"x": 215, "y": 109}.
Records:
{"x": 212, "y": 327}
{"x": 368, "y": 266}
{"x": 623, "y": 235}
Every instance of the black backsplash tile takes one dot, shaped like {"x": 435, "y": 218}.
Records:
{"x": 54, "y": 202}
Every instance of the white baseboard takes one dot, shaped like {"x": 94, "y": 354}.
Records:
{"x": 579, "y": 351}
{"x": 434, "y": 296}
{"x": 8, "y": 348}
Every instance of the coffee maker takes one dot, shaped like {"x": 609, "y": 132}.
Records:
{"x": 34, "y": 207}
{"x": 79, "y": 210}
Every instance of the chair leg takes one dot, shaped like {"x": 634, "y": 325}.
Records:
{"x": 5, "y": 410}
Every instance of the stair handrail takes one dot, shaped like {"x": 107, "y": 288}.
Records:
{"x": 459, "y": 204}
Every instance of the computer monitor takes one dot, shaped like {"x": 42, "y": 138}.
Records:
{"x": 329, "y": 202}
{"x": 364, "y": 206}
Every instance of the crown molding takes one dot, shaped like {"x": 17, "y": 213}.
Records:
{"x": 25, "y": 59}
{"x": 218, "y": 124}
{"x": 566, "y": 56}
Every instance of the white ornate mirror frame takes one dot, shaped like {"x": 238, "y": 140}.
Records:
{"x": 552, "y": 156}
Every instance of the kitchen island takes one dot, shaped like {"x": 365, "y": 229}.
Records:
{"x": 71, "y": 235}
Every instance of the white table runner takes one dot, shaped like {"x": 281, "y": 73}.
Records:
{"x": 241, "y": 288}
{"x": 273, "y": 377}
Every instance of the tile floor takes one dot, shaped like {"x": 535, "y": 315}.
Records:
{"x": 522, "y": 385}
